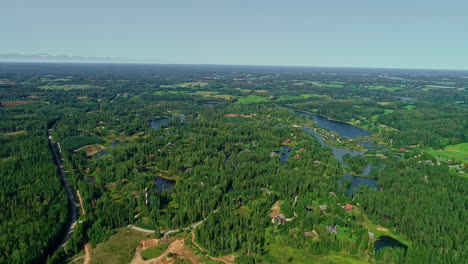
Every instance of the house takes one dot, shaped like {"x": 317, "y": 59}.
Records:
{"x": 279, "y": 219}
{"x": 402, "y": 149}
{"x": 323, "y": 207}
{"x": 332, "y": 193}
{"x": 301, "y": 149}
{"x": 332, "y": 229}
{"x": 297, "y": 156}
{"x": 349, "y": 207}
{"x": 287, "y": 141}
{"x": 151, "y": 156}
{"x": 371, "y": 235}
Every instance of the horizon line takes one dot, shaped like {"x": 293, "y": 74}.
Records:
{"x": 216, "y": 64}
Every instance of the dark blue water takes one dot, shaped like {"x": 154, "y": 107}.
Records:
{"x": 155, "y": 124}
{"x": 343, "y": 129}
{"x": 388, "y": 241}
{"x": 163, "y": 184}
{"x": 356, "y": 182}
{"x": 284, "y": 153}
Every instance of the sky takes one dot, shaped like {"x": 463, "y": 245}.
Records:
{"x": 429, "y": 34}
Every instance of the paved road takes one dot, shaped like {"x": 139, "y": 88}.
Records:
{"x": 71, "y": 198}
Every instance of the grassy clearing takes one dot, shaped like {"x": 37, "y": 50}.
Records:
{"x": 120, "y": 248}
{"x": 209, "y": 94}
{"x": 66, "y": 87}
{"x": 154, "y": 252}
{"x": 457, "y": 152}
{"x": 383, "y": 87}
{"x": 384, "y": 103}
{"x": 410, "y": 107}
{"x": 251, "y": 99}
{"x": 378, "y": 230}
{"x": 285, "y": 254}
{"x": 162, "y": 93}
{"x": 186, "y": 85}
{"x": 388, "y": 111}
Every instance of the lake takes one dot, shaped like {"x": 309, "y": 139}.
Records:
{"x": 343, "y": 129}
{"x": 388, "y": 241}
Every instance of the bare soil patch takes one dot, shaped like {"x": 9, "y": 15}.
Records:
{"x": 16, "y": 103}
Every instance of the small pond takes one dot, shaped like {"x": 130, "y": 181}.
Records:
{"x": 104, "y": 153}
{"x": 157, "y": 123}
{"x": 356, "y": 182}
{"x": 388, "y": 241}
{"x": 163, "y": 184}
{"x": 284, "y": 153}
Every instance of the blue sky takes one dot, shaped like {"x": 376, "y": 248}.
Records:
{"x": 359, "y": 33}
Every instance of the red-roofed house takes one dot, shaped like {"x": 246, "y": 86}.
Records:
{"x": 301, "y": 149}
{"x": 287, "y": 141}
{"x": 349, "y": 207}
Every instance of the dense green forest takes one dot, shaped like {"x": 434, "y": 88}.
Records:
{"x": 227, "y": 163}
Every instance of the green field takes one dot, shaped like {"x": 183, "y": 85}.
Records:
{"x": 410, "y": 107}
{"x": 457, "y": 152}
{"x": 120, "y": 248}
{"x": 66, "y": 87}
{"x": 388, "y": 111}
{"x": 154, "y": 252}
{"x": 383, "y": 87}
{"x": 251, "y": 99}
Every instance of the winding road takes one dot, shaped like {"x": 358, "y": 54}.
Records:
{"x": 71, "y": 199}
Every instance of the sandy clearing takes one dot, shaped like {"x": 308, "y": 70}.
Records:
{"x": 382, "y": 229}
{"x": 276, "y": 209}
{"x": 87, "y": 256}
{"x": 177, "y": 248}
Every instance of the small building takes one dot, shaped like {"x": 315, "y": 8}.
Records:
{"x": 402, "y": 149}
{"x": 301, "y": 149}
{"x": 332, "y": 229}
{"x": 323, "y": 207}
{"x": 297, "y": 156}
{"x": 151, "y": 156}
{"x": 371, "y": 235}
{"x": 279, "y": 219}
{"x": 349, "y": 207}
{"x": 287, "y": 141}
{"x": 332, "y": 193}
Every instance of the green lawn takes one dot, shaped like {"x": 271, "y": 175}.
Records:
{"x": 457, "y": 152}
{"x": 120, "y": 248}
{"x": 410, "y": 107}
{"x": 388, "y": 111}
{"x": 154, "y": 252}
{"x": 252, "y": 99}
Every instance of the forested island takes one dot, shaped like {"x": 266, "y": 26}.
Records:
{"x": 232, "y": 164}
